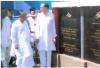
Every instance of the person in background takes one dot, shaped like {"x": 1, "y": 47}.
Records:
{"x": 20, "y": 36}
{"x": 31, "y": 18}
{"x": 5, "y": 37}
{"x": 46, "y": 34}
{"x": 2, "y": 16}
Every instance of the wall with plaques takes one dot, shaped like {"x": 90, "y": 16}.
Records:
{"x": 69, "y": 32}
{"x": 69, "y": 20}
{"x": 92, "y": 33}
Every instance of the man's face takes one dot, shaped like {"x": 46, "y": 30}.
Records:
{"x": 32, "y": 12}
{"x": 43, "y": 9}
{"x": 9, "y": 13}
{"x": 22, "y": 18}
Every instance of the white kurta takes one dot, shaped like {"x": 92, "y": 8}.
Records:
{"x": 20, "y": 35}
{"x": 32, "y": 24}
{"x": 46, "y": 32}
{"x": 5, "y": 40}
{"x": 6, "y": 31}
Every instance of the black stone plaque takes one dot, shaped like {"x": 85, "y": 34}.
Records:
{"x": 92, "y": 33}
{"x": 70, "y": 31}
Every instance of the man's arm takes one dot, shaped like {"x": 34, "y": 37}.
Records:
{"x": 54, "y": 30}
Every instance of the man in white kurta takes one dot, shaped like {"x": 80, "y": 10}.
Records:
{"x": 31, "y": 17}
{"x": 46, "y": 36}
{"x": 5, "y": 38}
{"x": 20, "y": 35}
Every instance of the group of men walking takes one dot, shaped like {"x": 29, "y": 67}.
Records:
{"x": 19, "y": 37}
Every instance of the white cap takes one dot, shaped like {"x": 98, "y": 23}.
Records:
{"x": 44, "y": 5}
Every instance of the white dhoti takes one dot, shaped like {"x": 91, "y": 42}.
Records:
{"x": 12, "y": 51}
{"x": 45, "y": 58}
{"x": 24, "y": 56}
{"x": 5, "y": 56}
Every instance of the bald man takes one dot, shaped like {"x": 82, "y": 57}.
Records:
{"x": 20, "y": 35}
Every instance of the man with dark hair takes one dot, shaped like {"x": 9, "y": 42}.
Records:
{"x": 32, "y": 12}
{"x": 31, "y": 17}
{"x": 5, "y": 37}
{"x": 32, "y": 9}
{"x": 45, "y": 35}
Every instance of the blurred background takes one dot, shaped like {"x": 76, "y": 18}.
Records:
{"x": 78, "y": 28}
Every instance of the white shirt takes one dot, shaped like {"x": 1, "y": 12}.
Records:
{"x": 20, "y": 32}
{"x": 6, "y": 32}
{"x": 20, "y": 35}
{"x": 46, "y": 31}
{"x": 32, "y": 24}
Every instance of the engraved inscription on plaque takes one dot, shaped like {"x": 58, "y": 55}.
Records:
{"x": 92, "y": 35}
{"x": 70, "y": 32}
